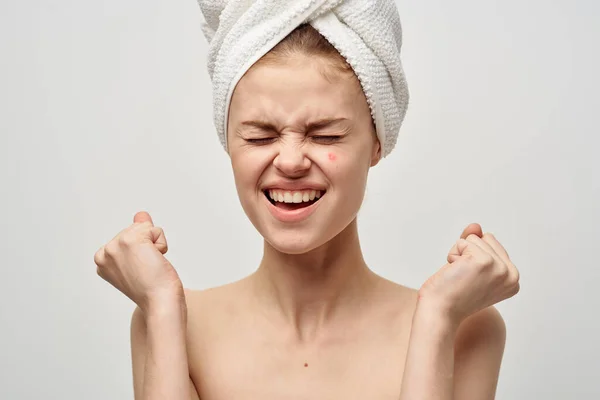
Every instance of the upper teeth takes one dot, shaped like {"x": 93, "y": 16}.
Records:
{"x": 294, "y": 197}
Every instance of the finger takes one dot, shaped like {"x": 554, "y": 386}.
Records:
{"x": 487, "y": 249}
{"x": 483, "y": 244}
{"x": 453, "y": 254}
{"x": 472, "y": 229}
{"x": 491, "y": 240}
{"x": 141, "y": 217}
{"x": 503, "y": 254}
{"x": 159, "y": 239}
{"x": 473, "y": 245}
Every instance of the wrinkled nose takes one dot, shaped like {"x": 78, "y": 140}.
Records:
{"x": 292, "y": 160}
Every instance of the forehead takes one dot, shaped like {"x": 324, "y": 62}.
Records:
{"x": 295, "y": 91}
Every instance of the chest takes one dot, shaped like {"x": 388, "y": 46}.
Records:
{"x": 357, "y": 368}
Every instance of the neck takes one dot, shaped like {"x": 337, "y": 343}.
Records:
{"x": 310, "y": 290}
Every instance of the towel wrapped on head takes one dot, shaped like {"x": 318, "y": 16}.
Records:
{"x": 366, "y": 33}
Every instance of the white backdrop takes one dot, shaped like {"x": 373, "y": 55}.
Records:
{"x": 105, "y": 110}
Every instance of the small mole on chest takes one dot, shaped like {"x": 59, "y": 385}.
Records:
{"x": 305, "y": 364}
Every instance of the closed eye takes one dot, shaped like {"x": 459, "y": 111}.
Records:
{"x": 326, "y": 139}
{"x": 260, "y": 140}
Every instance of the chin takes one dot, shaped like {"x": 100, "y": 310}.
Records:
{"x": 302, "y": 240}
{"x": 293, "y": 242}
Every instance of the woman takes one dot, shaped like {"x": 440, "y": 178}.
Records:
{"x": 313, "y": 321}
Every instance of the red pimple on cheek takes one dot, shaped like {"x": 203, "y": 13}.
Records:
{"x": 332, "y": 156}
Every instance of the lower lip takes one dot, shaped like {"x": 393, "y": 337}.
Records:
{"x": 291, "y": 215}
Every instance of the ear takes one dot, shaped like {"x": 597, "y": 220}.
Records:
{"x": 376, "y": 153}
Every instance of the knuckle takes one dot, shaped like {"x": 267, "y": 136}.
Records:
{"x": 487, "y": 260}
{"x": 127, "y": 239}
{"x": 516, "y": 289}
{"x": 501, "y": 274}
{"x": 514, "y": 283}
{"x": 517, "y": 274}
{"x": 112, "y": 248}
{"x": 514, "y": 279}
{"x": 469, "y": 257}
{"x": 122, "y": 240}
{"x": 99, "y": 256}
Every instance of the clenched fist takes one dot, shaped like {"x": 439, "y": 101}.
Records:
{"x": 133, "y": 262}
{"x": 479, "y": 274}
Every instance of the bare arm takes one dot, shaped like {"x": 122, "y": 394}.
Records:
{"x": 446, "y": 362}
{"x": 159, "y": 354}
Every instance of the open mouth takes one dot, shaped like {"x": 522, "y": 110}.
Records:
{"x": 288, "y": 200}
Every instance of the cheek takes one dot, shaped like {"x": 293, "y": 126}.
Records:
{"x": 347, "y": 169}
{"x": 247, "y": 168}
{"x": 342, "y": 168}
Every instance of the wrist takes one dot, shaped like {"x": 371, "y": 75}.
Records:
{"x": 435, "y": 315}
{"x": 165, "y": 304}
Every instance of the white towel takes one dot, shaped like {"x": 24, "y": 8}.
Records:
{"x": 366, "y": 32}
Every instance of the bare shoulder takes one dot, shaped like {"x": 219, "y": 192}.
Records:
{"x": 213, "y": 292}
{"x": 212, "y": 315}
{"x": 487, "y": 322}
{"x": 201, "y": 305}
{"x": 392, "y": 307}
{"x": 478, "y": 351}
{"x": 216, "y": 302}
{"x": 196, "y": 299}
{"x": 397, "y": 298}
{"x": 485, "y": 325}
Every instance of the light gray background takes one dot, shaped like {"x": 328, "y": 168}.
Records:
{"x": 105, "y": 110}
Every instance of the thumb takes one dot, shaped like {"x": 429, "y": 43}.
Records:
{"x": 456, "y": 251}
{"x": 460, "y": 248}
{"x": 159, "y": 239}
{"x": 142, "y": 216}
{"x": 474, "y": 229}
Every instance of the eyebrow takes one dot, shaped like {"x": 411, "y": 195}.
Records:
{"x": 321, "y": 123}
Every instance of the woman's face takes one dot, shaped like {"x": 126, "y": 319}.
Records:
{"x": 292, "y": 135}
